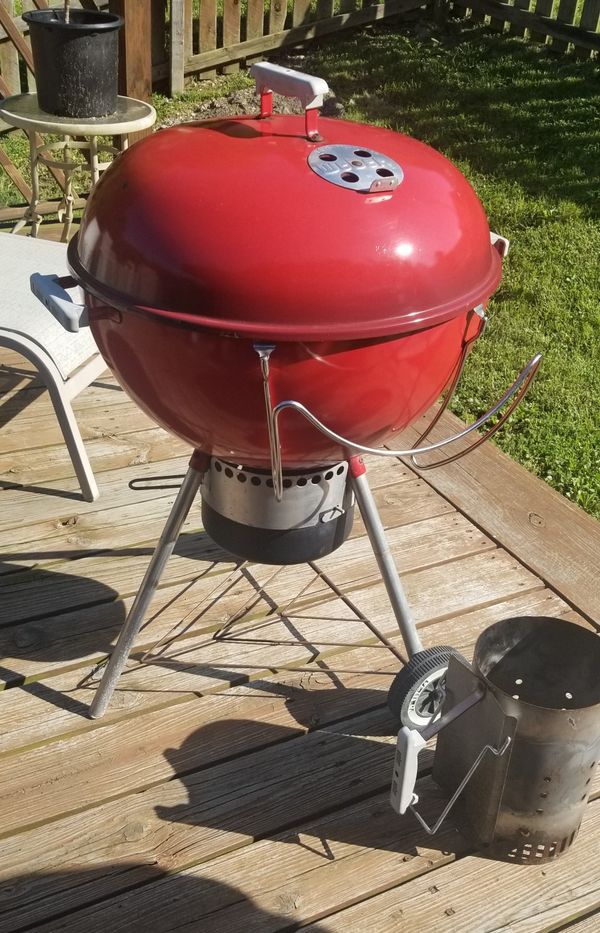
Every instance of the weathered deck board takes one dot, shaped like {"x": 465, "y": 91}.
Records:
{"x": 92, "y": 579}
{"x": 74, "y": 534}
{"x": 553, "y": 537}
{"x": 96, "y": 422}
{"x": 28, "y": 401}
{"x": 129, "y": 755}
{"x": 300, "y": 876}
{"x": 225, "y": 789}
{"x": 215, "y": 810}
{"x": 23, "y": 509}
{"x": 292, "y": 877}
{"x": 458, "y": 899}
{"x": 435, "y": 594}
{"x": 45, "y": 465}
{"x": 55, "y": 707}
{"x": 223, "y": 808}
{"x": 590, "y": 924}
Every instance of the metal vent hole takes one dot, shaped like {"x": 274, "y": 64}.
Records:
{"x": 350, "y": 177}
{"x": 328, "y": 157}
{"x": 362, "y": 153}
{"x": 385, "y": 173}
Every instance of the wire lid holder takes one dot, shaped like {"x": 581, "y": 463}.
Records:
{"x": 514, "y": 394}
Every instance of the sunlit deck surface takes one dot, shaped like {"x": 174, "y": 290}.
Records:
{"x": 239, "y": 781}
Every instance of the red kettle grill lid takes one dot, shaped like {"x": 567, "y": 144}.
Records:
{"x": 234, "y": 225}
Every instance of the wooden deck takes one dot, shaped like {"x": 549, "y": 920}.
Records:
{"x": 240, "y": 782}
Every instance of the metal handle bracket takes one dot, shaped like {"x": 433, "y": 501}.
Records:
{"x": 431, "y": 830}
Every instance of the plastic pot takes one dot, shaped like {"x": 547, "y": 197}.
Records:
{"x": 76, "y": 63}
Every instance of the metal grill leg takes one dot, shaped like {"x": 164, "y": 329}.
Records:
{"x": 132, "y": 625}
{"x": 383, "y": 555}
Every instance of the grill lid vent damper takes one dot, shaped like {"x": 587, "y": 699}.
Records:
{"x": 356, "y": 167}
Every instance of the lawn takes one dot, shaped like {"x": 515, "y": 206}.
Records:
{"x": 524, "y": 126}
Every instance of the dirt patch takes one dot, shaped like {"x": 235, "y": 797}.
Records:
{"x": 245, "y": 102}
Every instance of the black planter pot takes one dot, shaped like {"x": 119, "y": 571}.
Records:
{"x": 76, "y": 63}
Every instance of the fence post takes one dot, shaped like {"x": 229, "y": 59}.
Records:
{"x": 440, "y": 11}
{"x": 207, "y": 31}
{"x": 515, "y": 29}
{"x": 177, "y": 56}
{"x": 542, "y": 8}
{"x": 232, "y": 29}
{"x": 158, "y": 40}
{"x": 135, "y": 52}
{"x": 566, "y": 14}
{"x": 590, "y": 15}
{"x": 135, "y": 48}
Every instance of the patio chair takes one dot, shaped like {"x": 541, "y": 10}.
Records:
{"x": 66, "y": 362}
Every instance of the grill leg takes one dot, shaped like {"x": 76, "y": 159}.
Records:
{"x": 132, "y": 625}
{"x": 383, "y": 555}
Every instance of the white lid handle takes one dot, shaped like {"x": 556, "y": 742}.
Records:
{"x": 290, "y": 83}
{"x": 307, "y": 88}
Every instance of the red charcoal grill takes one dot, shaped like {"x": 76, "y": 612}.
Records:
{"x": 288, "y": 293}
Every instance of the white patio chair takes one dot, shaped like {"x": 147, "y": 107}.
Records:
{"x": 67, "y": 362}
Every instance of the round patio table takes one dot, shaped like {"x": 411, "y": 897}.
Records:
{"x": 78, "y": 134}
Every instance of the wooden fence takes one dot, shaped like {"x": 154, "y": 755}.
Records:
{"x": 210, "y": 34}
{"x": 563, "y": 24}
{"x": 204, "y": 38}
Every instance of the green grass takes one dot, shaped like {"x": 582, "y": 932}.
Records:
{"x": 523, "y": 126}
{"x": 169, "y": 108}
